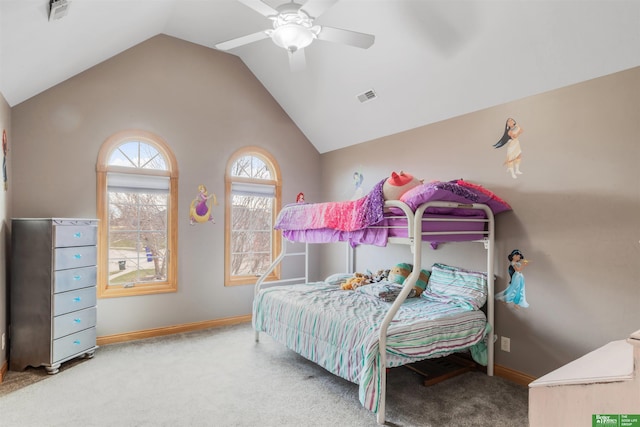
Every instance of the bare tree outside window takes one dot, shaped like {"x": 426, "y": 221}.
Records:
{"x": 251, "y": 234}
{"x": 251, "y": 219}
{"x": 137, "y": 205}
{"x": 138, "y": 209}
{"x": 138, "y": 237}
{"x": 252, "y": 202}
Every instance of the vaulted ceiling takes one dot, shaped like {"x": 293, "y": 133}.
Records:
{"x": 431, "y": 60}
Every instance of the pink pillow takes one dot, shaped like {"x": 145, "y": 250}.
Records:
{"x": 485, "y": 196}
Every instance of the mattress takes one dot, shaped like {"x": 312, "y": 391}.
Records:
{"x": 369, "y": 221}
{"x": 338, "y": 330}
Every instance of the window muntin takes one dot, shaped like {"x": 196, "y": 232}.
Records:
{"x": 137, "y": 189}
{"x": 253, "y": 199}
{"x": 250, "y": 166}
{"x": 138, "y": 154}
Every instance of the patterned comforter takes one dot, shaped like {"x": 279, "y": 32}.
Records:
{"x": 364, "y": 221}
{"x": 338, "y": 330}
{"x": 346, "y": 216}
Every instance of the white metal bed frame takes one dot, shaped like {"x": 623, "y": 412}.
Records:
{"x": 415, "y": 234}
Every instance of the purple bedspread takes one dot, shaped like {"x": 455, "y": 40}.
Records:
{"x": 363, "y": 221}
{"x": 342, "y": 216}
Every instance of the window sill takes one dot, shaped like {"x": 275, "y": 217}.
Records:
{"x": 142, "y": 289}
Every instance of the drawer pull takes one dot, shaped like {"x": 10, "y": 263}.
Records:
{"x": 77, "y": 277}
{"x": 77, "y": 235}
{"x": 77, "y": 299}
{"x": 77, "y": 320}
{"x": 77, "y": 256}
{"x": 77, "y": 342}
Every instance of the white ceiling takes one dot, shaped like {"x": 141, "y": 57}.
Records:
{"x": 431, "y": 60}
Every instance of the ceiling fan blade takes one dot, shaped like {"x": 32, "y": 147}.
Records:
{"x": 315, "y": 8}
{"x": 297, "y": 60}
{"x": 353, "y": 38}
{"x": 260, "y": 7}
{"x": 233, "y": 43}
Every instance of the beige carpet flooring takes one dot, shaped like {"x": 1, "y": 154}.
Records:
{"x": 221, "y": 377}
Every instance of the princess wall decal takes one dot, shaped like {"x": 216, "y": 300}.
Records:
{"x": 515, "y": 291}
{"x": 358, "y": 191}
{"x": 5, "y": 149}
{"x": 200, "y": 209}
{"x": 512, "y": 132}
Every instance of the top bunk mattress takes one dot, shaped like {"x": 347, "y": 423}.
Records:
{"x": 369, "y": 220}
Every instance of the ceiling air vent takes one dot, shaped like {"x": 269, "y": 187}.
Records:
{"x": 367, "y": 96}
{"x": 58, "y": 9}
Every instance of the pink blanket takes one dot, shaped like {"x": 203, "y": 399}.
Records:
{"x": 344, "y": 216}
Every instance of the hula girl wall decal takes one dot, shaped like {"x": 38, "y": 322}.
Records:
{"x": 512, "y": 131}
{"x": 515, "y": 292}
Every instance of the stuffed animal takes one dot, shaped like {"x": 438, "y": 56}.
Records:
{"x": 379, "y": 276}
{"x": 355, "y": 282}
{"x": 400, "y": 272}
{"x": 361, "y": 279}
{"x": 421, "y": 283}
{"x": 398, "y": 184}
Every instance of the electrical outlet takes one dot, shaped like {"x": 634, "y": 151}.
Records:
{"x": 505, "y": 344}
{"x": 4, "y": 340}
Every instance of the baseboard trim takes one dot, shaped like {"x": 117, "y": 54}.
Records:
{"x": 3, "y": 370}
{"x": 511, "y": 375}
{"x": 169, "y": 330}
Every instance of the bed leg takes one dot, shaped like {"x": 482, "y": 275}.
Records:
{"x": 257, "y": 336}
{"x": 382, "y": 404}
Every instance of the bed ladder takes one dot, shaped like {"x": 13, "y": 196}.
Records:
{"x": 284, "y": 253}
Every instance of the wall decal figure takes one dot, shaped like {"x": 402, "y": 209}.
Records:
{"x": 300, "y": 198}
{"x": 5, "y": 148}
{"x": 200, "y": 210}
{"x": 515, "y": 292}
{"x": 358, "y": 179}
{"x": 512, "y": 132}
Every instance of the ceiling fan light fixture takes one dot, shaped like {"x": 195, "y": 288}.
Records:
{"x": 292, "y": 36}
{"x": 294, "y": 29}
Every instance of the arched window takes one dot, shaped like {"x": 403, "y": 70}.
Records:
{"x": 252, "y": 202}
{"x": 137, "y": 195}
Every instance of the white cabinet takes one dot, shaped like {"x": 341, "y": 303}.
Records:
{"x": 52, "y": 291}
{"x": 605, "y": 381}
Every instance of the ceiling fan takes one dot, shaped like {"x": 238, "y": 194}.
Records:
{"x": 293, "y": 29}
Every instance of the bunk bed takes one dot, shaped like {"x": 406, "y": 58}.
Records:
{"x": 356, "y": 335}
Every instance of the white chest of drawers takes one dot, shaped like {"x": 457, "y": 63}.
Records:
{"x": 52, "y": 291}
